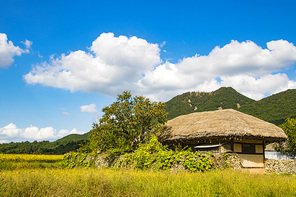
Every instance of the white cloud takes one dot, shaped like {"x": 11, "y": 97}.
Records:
{"x": 4, "y": 141}
{"x": 38, "y": 134}
{"x": 10, "y": 130}
{"x": 12, "y": 133}
{"x": 89, "y": 108}
{"x": 28, "y": 43}
{"x": 114, "y": 64}
{"x": 229, "y": 63}
{"x": 8, "y": 51}
{"x": 257, "y": 87}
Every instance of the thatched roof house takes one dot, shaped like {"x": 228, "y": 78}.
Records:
{"x": 224, "y": 131}
{"x": 220, "y": 124}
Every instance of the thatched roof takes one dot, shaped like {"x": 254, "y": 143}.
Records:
{"x": 221, "y": 124}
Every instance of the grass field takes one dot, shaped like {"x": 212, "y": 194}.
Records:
{"x": 28, "y": 161}
{"x": 55, "y": 181}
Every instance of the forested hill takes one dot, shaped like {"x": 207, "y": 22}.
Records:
{"x": 189, "y": 102}
{"x": 66, "y": 144}
{"x": 74, "y": 137}
{"x": 275, "y": 108}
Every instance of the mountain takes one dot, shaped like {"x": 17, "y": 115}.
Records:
{"x": 275, "y": 108}
{"x": 189, "y": 102}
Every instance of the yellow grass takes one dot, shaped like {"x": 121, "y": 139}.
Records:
{"x": 30, "y": 157}
{"x": 110, "y": 182}
{"x": 32, "y": 177}
{"x": 27, "y": 161}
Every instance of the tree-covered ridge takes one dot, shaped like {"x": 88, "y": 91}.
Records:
{"x": 66, "y": 144}
{"x": 189, "y": 102}
{"x": 275, "y": 108}
{"x": 74, "y": 137}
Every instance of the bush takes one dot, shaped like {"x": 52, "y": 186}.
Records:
{"x": 157, "y": 156}
{"x": 73, "y": 159}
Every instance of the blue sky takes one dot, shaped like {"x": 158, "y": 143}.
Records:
{"x": 61, "y": 62}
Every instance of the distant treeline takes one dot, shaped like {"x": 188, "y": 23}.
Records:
{"x": 61, "y": 146}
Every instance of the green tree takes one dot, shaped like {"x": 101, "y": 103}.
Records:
{"x": 289, "y": 147}
{"x": 127, "y": 122}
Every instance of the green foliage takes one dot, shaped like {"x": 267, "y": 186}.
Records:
{"x": 275, "y": 108}
{"x": 289, "y": 147}
{"x": 127, "y": 122}
{"x": 190, "y": 102}
{"x": 157, "y": 156}
{"x": 74, "y": 137}
{"x": 74, "y": 159}
{"x": 226, "y": 157}
{"x": 58, "y": 147}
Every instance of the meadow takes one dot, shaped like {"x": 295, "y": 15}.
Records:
{"x": 51, "y": 179}
{"x": 29, "y": 161}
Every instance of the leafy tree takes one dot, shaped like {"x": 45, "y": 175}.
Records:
{"x": 289, "y": 147}
{"x": 127, "y": 122}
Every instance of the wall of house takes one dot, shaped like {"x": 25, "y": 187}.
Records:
{"x": 252, "y": 161}
{"x": 226, "y": 147}
{"x": 280, "y": 166}
{"x": 276, "y": 155}
{"x": 251, "y": 152}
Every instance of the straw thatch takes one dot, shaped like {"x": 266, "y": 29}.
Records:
{"x": 221, "y": 124}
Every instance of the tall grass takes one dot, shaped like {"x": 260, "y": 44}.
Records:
{"x": 110, "y": 182}
{"x": 42, "y": 175}
{"x": 29, "y": 161}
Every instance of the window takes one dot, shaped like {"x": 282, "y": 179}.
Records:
{"x": 248, "y": 148}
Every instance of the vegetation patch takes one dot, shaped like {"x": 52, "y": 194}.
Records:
{"x": 29, "y": 161}
{"x": 110, "y": 182}
{"x": 152, "y": 155}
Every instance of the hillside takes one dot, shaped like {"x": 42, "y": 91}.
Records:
{"x": 189, "y": 102}
{"x": 74, "y": 137}
{"x": 275, "y": 108}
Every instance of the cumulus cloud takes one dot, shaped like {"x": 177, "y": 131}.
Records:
{"x": 245, "y": 66}
{"x": 89, "y": 108}
{"x": 113, "y": 64}
{"x": 8, "y": 50}
{"x": 12, "y": 133}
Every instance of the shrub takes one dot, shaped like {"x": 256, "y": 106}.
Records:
{"x": 157, "y": 156}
